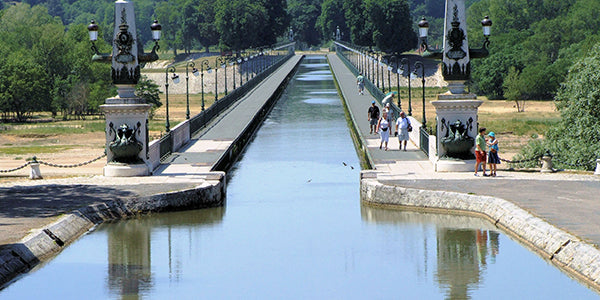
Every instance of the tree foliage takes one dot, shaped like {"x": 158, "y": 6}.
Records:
{"x": 541, "y": 50}
{"x": 42, "y": 66}
{"x": 577, "y": 136}
{"x": 304, "y": 14}
{"x": 392, "y": 26}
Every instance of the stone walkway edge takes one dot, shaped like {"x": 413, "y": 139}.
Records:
{"x": 46, "y": 242}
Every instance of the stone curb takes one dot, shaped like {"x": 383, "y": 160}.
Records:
{"x": 44, "y": 243}
{"x": 565, "y": 250}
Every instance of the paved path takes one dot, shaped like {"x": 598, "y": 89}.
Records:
{"x": 569, "y": 201}
{"x": 208, "y": 144}
{"x": 28, "y": 205}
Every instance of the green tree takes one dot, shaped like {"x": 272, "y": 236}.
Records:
{"x": 148, "y": 90}
{"x": 240, "y": 23}
{"x": 207, "y": 30}
{"x": 24, "y": 89}
{"x": 513, "y": 88}
{"x": 357, "y": 20}
{"x": 170, "y": 18}
{"x": 331, "y": 18}
{"x": 392, "y": 26}
{"x": 304, "y": 14}
{"x": 278, "y": 21}
{"x": 576, "y": 137}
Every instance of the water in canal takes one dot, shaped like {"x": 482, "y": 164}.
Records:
{"x": 293, "y": 228}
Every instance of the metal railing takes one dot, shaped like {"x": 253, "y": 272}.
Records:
{"x": 200, "y": 120}
{"x": 424, "y": 140}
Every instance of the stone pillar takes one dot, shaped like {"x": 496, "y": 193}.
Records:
{"x": 135, "y": 117}
{"x": 597, "y": 167}
{"x": 457, "y": 120}
{"x": 126, "y": 115}
{"x": 35, "y": 172}
{"x": 547, "y": 164}
{"x": 449, "y": 112}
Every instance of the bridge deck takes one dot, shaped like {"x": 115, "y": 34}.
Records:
{"x": 210, "y": 143}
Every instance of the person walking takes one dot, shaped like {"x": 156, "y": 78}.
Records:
{"x": 493, "y": 158}
{"x": 360, "y": 82}
{"x": 389, "y": 98}
{"x": 390, "y": 116}
{"x": 373, "y": 115}
{"x": 383, "y": 127}
{"x": 480, "y": 153}
{"x": 402, "y": 125}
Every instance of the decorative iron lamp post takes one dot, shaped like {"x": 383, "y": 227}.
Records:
{"x": 377, "y": 57}
{"x": 389, "y": 69}
{"x": 245, "y": 61}
{"x": 208, "y": 70}
{"x": 240, "y": 60}
{"x": 420, "y": 65}
{"x": 195, "y": 72}
{"x": 406, "y": 62}
{"x": 126, "y": 114}
{"x": 232, "y": 64}
{"x": 394, "y": 59}
{"x": 175, "y": 79}
{"x": 216, "y": 80}
{"x": 223, "y": 61}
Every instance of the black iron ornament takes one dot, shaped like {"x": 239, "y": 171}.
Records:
{"x": 455, "y": 37}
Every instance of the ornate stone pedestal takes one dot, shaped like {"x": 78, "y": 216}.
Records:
{"x": 126, "y": 137}
{"x": 457, "y": 127}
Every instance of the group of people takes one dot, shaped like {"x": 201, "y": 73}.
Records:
{"x": 481, "y": 155}
{"x": 383, "y": 124}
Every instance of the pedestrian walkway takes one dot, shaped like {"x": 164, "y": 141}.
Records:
{"x": 209, "y": 144}
{"x": 569, "y": 201}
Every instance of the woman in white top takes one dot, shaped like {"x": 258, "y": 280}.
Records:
{"x": 402, "y": 129}
{"x": 383, "y": 127}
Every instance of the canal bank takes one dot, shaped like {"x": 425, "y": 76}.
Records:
{"x": 65, "y": 209}
{"x": 547, "y": 212}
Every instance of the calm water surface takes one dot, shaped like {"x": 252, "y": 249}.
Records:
{"x": 293, "y": 228}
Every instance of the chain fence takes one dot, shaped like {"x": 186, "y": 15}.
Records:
{"x": 590, "y": 165}
{"x": 35, "y": 160}
{"x": 17, "y": 168}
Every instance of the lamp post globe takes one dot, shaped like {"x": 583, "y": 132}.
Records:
{"x": 423, "y": 31}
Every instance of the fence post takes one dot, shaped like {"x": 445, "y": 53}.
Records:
{"x": 35, "y": 172}
{"x": 547, "y": 163}
{"x": 597, "y": 167}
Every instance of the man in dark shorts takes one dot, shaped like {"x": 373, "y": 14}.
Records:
{"x": 480, "y": 154}
{"x": 373, "y": 115}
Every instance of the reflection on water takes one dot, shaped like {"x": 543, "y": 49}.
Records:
{"x": 463, "y": 246}
{"x": 130, "y": 248}
{"x": 294, "y": 229}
